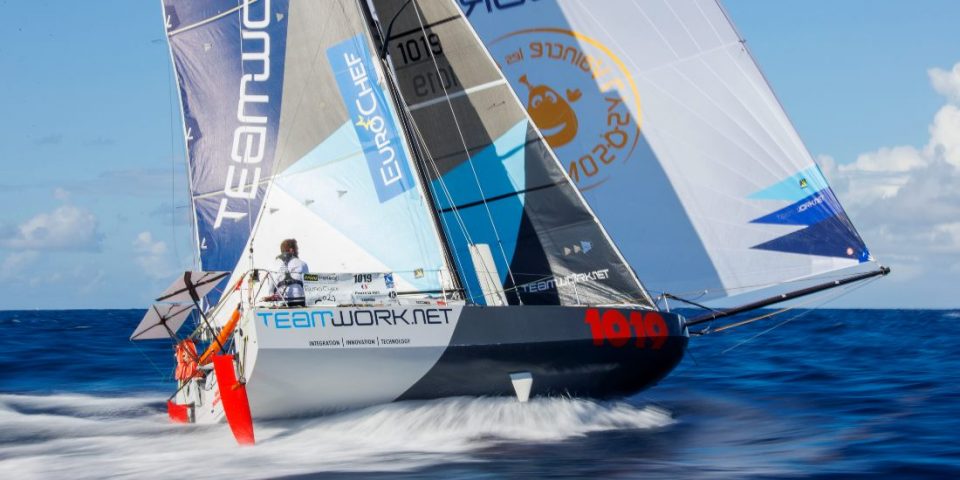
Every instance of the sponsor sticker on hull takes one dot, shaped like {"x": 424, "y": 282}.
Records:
{"x": 367, "y": 327}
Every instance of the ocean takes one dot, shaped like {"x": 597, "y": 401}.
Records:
{"x": 810, "y": 394}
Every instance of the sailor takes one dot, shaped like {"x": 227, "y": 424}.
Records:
{"x": 288, "y": 276}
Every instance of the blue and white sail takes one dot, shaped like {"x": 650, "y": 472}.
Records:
{"x": 291, "y": 134}
{"x": 666, "y": 124}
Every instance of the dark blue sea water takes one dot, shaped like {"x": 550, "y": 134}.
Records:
{"x": 831, "y": 394}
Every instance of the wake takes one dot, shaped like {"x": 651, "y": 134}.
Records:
{"x": 80, "y": 436}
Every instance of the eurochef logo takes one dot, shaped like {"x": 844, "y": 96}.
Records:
{"x": 371, "y": 116}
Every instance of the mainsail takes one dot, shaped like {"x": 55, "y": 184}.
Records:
{"x": 512, "y": 216}
{"x": 668, "y": 127}
{"x": 291, "y": 134}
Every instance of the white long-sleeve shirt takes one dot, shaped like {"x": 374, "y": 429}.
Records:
{"x": 296, "y": 268}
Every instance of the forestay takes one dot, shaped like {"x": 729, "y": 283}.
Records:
{"x": 495, "y": 181}
{"x": 667, "y": 126}
{"x": 290, "y": 134}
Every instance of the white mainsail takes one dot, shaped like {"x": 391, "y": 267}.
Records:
{"x": 664, "y": 120}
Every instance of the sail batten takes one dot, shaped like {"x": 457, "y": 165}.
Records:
{"x": 208, "y": 20}
{"x": 480, "y": 202}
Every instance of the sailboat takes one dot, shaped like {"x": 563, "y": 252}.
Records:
{"x": 429, "y": 157}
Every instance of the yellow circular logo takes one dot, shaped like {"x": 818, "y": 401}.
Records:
{"x": 579, "y": 94}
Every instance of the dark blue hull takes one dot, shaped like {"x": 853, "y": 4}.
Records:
{"x": 569, "y": 351}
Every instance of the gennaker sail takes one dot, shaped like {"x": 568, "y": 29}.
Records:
{"x": 667, "y": 125}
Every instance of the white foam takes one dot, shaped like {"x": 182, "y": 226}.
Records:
{"x": 79, "y": 436}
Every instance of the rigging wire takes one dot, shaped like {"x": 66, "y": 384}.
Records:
{"x": 256, "y": 187}
{"x": 175, "y": 78}
{"x": 466, "y": 149}
{"x": 822, "y": 301}
{"x": 687, "y": 294}
{"x": 173, "y": 173}
{"x": 164, "y": 376}
{"x": 448, "y": 197}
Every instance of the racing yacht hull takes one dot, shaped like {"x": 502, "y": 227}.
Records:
{"x": 308, "y": 361}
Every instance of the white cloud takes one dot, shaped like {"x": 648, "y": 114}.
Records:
{"x": 17, "y": 265}
{"x": 946, "y": 82}
{"x": 906, "y": 199}
{"x": 66, "y": 228}
{"x": 945, "y": 135}
{"x": 876, "y": 175}
{"x": 61, "y": 194}
{"x": 152, "y": 257}
{"x": 887, "y": 159}
{"x": 145, "y": 244}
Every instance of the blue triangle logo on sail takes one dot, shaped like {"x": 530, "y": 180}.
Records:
{"x": 797, "y": 186}
{"x": 828, "y": 231}
{"x": 829, "y": 238}
{"x": 807, "y": 211}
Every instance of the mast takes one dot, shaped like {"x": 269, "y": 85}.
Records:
{"x": 380, "y": 42}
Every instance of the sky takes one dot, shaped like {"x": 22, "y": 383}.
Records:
{"x": 92, "y": 156}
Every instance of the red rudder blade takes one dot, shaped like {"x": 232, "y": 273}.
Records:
{"x": 233, "y": 394}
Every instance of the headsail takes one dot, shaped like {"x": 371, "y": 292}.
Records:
{"x": 290, "y": 135}
{"x": 503, "y": 197}
{"x": 668, "y": 127}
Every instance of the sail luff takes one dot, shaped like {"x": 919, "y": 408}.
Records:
{"x": 445, "y": 223}
{"x": 417, "y": 161}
